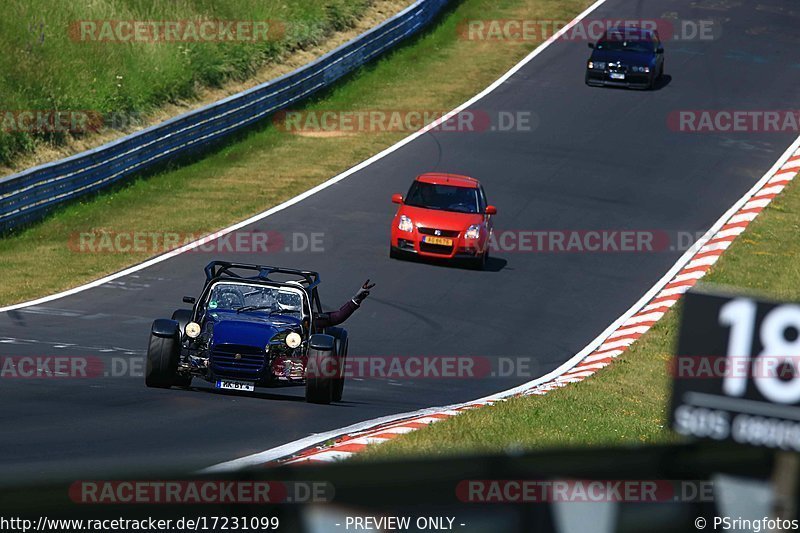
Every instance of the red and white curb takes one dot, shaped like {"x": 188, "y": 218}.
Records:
{"x": 702, "y": 261}
{"x": 350, "y": 444}
{"x": 613, "y": 343}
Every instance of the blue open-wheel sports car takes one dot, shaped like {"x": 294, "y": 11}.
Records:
{"x": 252, "y": 326}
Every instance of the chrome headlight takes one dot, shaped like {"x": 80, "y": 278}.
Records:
{"x": 641, "y": 69}
{"x": 293, "y": 340}
{"x": 597, "y": 65}
{"x": 405, "y": 224}
{"x": 192, "y": 330}
{"x": 473, "y": 232}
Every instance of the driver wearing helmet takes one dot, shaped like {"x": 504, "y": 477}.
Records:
{"x": 227, "y": 297}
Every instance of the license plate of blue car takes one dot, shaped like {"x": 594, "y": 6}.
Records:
{"x": 230, "y": 384}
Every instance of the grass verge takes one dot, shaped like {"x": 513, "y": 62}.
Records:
{"x": 626, "y": 402}
{"x": 51, "y": 64}
{"x": 268, "y": 166}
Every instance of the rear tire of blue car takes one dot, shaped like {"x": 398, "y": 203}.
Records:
{"x": 321, "y": 371}
{"x": 162, "y": 361}
{"x": 342, "y": 345}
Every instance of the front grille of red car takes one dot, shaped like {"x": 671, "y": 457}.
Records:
{"x": 442, "y": 232}
{"x": 435, "y": 248}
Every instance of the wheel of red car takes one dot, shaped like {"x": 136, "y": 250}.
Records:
{"x": 479, "y": 263}
{"x": 162, "y": 361}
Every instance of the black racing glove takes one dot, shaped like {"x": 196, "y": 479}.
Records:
{"x": 363, "y": 292}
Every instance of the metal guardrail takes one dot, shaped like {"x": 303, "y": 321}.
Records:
{"x": 27, "y": 196}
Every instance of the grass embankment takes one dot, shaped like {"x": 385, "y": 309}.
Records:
{"x": 268, "y": 166}
{"x": 626, "y": 402}
{"x": 48, "y": 65}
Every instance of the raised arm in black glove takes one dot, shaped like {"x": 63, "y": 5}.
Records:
{"x": 324, "y": 320}
{"x": 363, "y": 292}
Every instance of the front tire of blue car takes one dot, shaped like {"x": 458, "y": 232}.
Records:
{"x": 321, "y": 371}
{"x": 162, "y": 361}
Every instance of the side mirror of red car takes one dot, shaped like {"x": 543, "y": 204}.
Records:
{"x": 491, "y": 210}
{"x": 397, "y": 198}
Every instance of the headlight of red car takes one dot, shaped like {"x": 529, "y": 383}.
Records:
{"x": 473, "y": 232}
{"x": 405, "y": 224}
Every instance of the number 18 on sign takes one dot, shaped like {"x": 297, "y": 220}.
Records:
{"x": 735, "y": 375}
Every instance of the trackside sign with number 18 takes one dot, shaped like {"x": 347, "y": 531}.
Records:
{"x": 735, "y": 375}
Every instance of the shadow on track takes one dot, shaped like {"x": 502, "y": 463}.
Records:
{"x": 493, "y": 264}
{"x": 257, "y": 394}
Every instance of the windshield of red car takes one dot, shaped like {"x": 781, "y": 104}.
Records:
{"x": 443, "y": 197}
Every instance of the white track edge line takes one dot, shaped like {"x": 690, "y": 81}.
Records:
{"x": 312, "y": 191}
{"x": 649, "y": 295}
{"x": 295, "y": 446}
{"x": 301, "y": 444}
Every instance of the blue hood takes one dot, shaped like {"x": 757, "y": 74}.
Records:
{"x": 250, "y": 329}
{"x": 639, "y": 59}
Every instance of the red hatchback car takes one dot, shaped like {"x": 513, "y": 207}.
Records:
{"x": 443, "y": 216}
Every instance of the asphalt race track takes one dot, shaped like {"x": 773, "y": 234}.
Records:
{"x": 598, "y": 159}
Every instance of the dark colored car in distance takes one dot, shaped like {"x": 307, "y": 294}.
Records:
{"x": 627, "y": 56}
